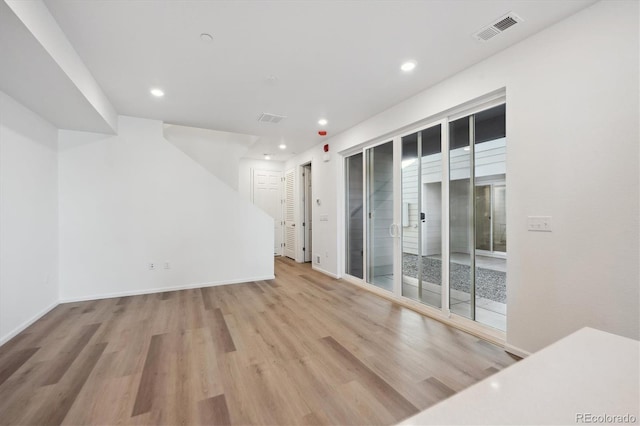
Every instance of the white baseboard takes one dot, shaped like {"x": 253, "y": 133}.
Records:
{"x": 162, "y": 289}
{"x": 4, "y": 339}
{"x": 317, "y": 268}
{"x": 516, "y": 351}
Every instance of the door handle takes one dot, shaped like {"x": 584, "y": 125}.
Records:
{"x": 423, "y": 216}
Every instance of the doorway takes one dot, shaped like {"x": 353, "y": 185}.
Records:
{"x": 426, "y": 214}
{"x": 307, "y": 205}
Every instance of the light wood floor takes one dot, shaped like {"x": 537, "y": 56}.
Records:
{"x": 301, "y": 349}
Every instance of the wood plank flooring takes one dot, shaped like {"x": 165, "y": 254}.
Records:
{"x": 301, "y": 349}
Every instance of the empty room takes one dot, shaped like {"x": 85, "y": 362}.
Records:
{"x": 322, "y": 212}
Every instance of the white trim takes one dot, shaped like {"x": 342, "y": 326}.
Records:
{"x": 365, "y": 215}
{"x": 341, "y": 224}
{"x": 19, "y": 329}
{"x": 479, "y": 104}
{"x": 323, "y": 271}
{"x": 516, "y": 351}
{"x": 397, "y": 215}
{"x": 164, "y": 289}
{"x": 445, "y": 223}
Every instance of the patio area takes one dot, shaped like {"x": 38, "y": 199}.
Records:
{"x": 491, "y": 288}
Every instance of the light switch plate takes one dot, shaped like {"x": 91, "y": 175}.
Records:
{"x": 539, "y": 223}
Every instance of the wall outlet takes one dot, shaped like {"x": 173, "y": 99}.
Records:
{"x": 167, "y": 265}
{"x": 539, "y": 223}
{"x": 317, "y": 259}
{"x": 151, "y": 266}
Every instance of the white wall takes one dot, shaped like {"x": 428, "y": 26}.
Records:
{"x": 28, "y": 217}
{"x": 218, "y": 152}
{"x": 573, "y": 138}
{"x": 245, "y": 170}
{"x": 135, "y": 198}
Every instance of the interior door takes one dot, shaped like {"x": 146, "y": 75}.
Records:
{"x": 289, "y": 216}
{"x": 267, "y": 194}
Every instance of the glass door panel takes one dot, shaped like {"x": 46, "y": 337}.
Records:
{"x": 461, "y": 237}
{"x": 380, "y": 240}
{"x": 499, "y": 217}
{"x": 483, "y": 217}
{"x": 422, "y": 216}
{"x": 477, "y": 209}
{"x": 489, "y": 165}
{"x": 355, "y": 216}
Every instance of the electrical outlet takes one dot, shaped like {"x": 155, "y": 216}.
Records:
{"x": 167, "y": 265}
{"x": 539, "y": 223}
{"x": 152, "y": 266}
{"x": 317, "y": 259}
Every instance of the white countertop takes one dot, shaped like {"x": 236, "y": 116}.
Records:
{"x": 590, "y": 372}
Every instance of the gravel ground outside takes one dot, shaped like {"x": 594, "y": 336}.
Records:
{"x": 490, "y": 284}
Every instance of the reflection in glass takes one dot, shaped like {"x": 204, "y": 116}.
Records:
{"x": 422, "y": 216}
{"x": 483, "y": 217}
{"x": 460, "y": 219}
{"x": 380, "y": 215}
{"x": 355, "y": 216}
{"x": 499, "y": 218}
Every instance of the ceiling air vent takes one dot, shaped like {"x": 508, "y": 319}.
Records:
{"x": 498, "y": 26}
{"x": 266, "y": 117}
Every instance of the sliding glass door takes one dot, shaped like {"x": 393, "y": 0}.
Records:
{"x": 426, "y": 215}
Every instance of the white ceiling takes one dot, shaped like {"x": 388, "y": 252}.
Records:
{"x": 333, "y": 59}
{"x": 29, "y": 74}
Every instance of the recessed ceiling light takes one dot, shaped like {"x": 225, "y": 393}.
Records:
{"x": 322, "y": 122}
{"x": 205, "y": 37}
{"x": 466, "y": 148}
{"x": 408, "y": 66}
{"x": 267, "y": 157}
{"x": 158, "y": 93}
{"x": 282, "y": 146}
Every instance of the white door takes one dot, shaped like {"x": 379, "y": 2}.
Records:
{"x": 267, "y": 194}
{"x": 289, "y": 217}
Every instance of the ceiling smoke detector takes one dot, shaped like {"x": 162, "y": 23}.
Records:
{"x": 266, "y": 117}
{"x": 497, "y": 27}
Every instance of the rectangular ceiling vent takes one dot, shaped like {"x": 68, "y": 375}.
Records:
{"x": 498, "y": 26}
{"x": 266, "y": 117}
